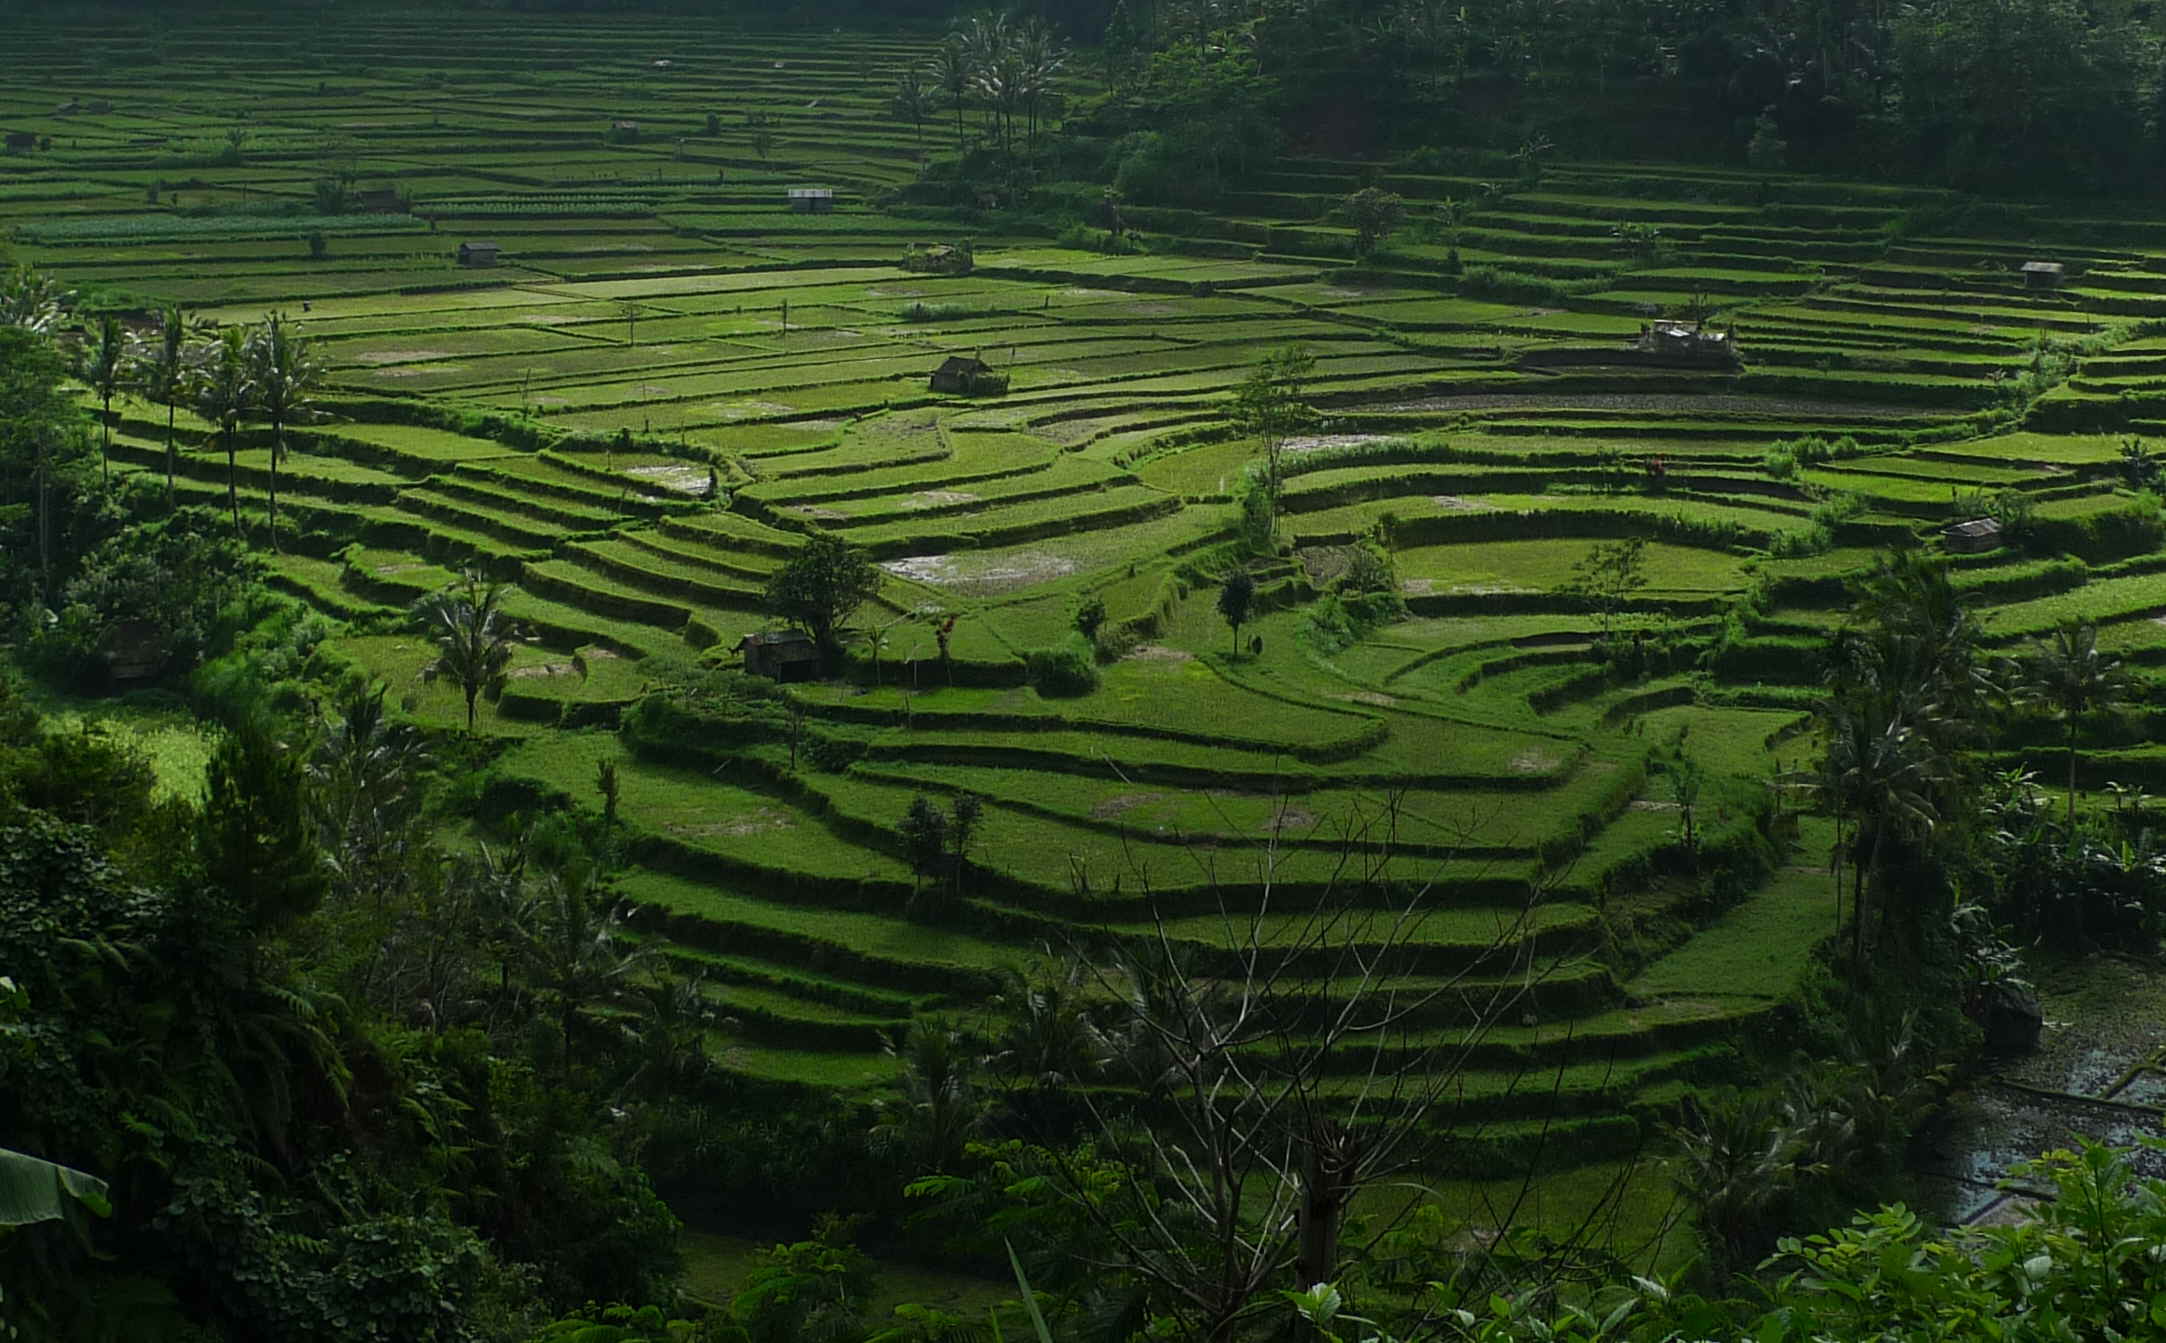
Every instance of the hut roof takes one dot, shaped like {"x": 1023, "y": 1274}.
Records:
{"x": 775, "y": 639}
{"x": 1974, "y": 528}
{"x": 2043, "y": 268}
{"x": 964, "y": 363}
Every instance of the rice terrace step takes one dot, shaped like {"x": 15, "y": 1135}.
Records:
{"x": 1511, "y": 579}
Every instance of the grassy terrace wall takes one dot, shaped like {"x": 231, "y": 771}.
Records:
{"x": 670, "y": 379}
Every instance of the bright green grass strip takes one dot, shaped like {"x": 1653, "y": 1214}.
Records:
{"x": 176, "y": 744}
{"x": 1431, "y": 926}
{"x": 875, "y": 935}
{"x": 694, "y": 808}
{"x": 1760, "y": 949}
{"x": 1519, "y": 566}
{"x": 1467, "y": 818}
{"x": 1731, "y": 740}
{"x": 804, "y": 1067}
{"x": 397, "y": 660}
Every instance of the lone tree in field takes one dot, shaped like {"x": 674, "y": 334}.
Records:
{"x": 1267, "y": 407}
{"x": 102, "y": 364}
{"x": 821, "y": 586}
{"x": 1234, "y": 601}
{"x": 162, "y": 367}
{"x": 473, "y": 636}
{"x": 223, "y": 394}
{"x": 285, "y": 373}
{"x": 1375, "y": 214}
{"x": 1088, "y": 617}
{"x": 925, "y": 839}
{"x": 1609, "y": 575}
{"x": 2070, "y": 677}
{"x": 1451, "y": 219}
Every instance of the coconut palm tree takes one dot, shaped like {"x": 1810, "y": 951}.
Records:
{"x": 912, "y": 102}
{"x": 2068, "y": 675}
{"x": 1051, "y": 1041}
{"x": 223, "y": 393}
{"x": 30, "y": 300}
{"x": 571, "y": 951}
{"x": 162, "y": 368}
{"x": 1885, "y": 775}
{"x": 952, "y": 74}
{"x": 472, "y": 634}
{"x": 285, "y": 372}
{"x": 102, "y": 364}
{"x": 940, "y": 1106}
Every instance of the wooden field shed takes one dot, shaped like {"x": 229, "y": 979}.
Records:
{"x": 133, "y": 651}
{"x": 623, "y": 129}
{"x": 812, "y": 200}
{"x": 478, "y": 253}
{"x": 20, "y": 140}
{"x": 2043, "y": 274}
{"x": 781, "y": 655}
{"x": 1974, "y": 537}
{"x": 1689, "y": 343}
{"x": 963, "y": 373}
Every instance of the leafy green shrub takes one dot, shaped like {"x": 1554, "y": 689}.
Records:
{"x": 1065, "y": 669}
{"x": 1508, "y": 286}
{"x": 1084, "y": 238}
{"x": 166, "y": 587}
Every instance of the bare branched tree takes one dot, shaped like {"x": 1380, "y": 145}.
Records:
{"x": 1317, "y": 1048}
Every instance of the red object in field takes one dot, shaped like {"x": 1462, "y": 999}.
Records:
{"x": 1657, "y": 468}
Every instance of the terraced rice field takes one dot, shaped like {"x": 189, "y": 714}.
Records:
{"x": 658, "y": 315}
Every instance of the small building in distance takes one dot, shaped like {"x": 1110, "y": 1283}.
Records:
{"x": 133, "y": 651}
{"x": 781, "y": 655}
{"x": 663, "y": 65}
{"x": 2043, "y": 274}
{"x": 938, "y": 258}
{"x": 968, "y": 375}
{"x": 20, "y": 141}
{"x": 478, "y": 253}
{"x": 1974, "y": 537}
{"x": 623, "y": 131}
{"x": 68, "y": 108}
{"x": 1688, "y": 343}
{"x": 812, "y": 200}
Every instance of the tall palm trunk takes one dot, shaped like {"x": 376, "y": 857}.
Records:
{"x": 45, "y": 524}
{"x": 278, "y": 450}
{"x": 105, "y": 451}
{"x": 172, "y": 458}
{"x": 2071, "y": 778}
{"x": 233, "y": 486}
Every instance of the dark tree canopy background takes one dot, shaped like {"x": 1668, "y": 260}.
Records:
{"x": 2031, "y": 96}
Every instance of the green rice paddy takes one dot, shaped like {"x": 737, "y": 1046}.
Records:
{"x": 660, "y": 322}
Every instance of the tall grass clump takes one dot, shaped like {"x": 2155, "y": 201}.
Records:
{"x": 1818, "y": 536}
{"x": 1510, "y": 286}
{"x": 1784, "y": 457}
